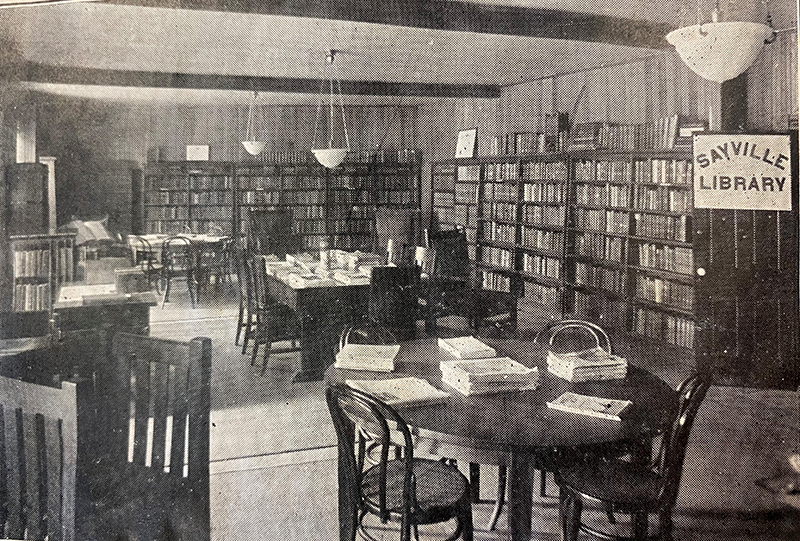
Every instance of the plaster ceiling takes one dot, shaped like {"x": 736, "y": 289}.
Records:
{"x": 128, "y": 51}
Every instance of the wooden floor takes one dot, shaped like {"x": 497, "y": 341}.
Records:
{"x": 273, "y": 453}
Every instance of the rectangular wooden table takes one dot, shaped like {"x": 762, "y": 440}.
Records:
{"x": 323, "y": 312}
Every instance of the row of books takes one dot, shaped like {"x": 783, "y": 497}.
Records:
{"x": 599, "y": 246}
{"x": 670, "y": 258}
{"x": 499, "y": 257}
{"x": 593, "y": 364}
{"x": 542, "y": 239}
{"x": 673, "y": 329}
{"x": 259, "y": 198}
{"x": 549, "y": 267}
{"x": 494, "y": 281}
{"x": 36, "y": 263}
{"x": 663, "y": 227}
{"x": 543, "y": 192}
{"x": 31, "y": 297}
{"x": 499, "y": 232}
{"x": 663, "y": 291}
{"x": 500, "y": 192}
{"x": 667, "y": 199}
{"x": 665, "y": 133}
{"x": 545, "y": 215}
{"x": 600, "y": 277}
{"x": 499, "y": 210}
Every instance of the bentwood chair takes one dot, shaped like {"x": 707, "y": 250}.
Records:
{"x": 178, "y": 260}
{"x": 144, "y": 257}
{"x": 561, "y": 336}
{"x": 38, "y": 460}
{"x": 634, "y": 487}
{"x": 408, "y": 490}
{"x": 274, "y": 322}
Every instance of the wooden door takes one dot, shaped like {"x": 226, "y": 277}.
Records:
{"x": 746, "y": 293}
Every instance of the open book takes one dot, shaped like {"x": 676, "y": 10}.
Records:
{"x": 604, "y": 408}
{"x": 467, "y": 347}
{"x": 407, "y": 391}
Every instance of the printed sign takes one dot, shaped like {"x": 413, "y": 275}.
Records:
{"x": 739, "y": 171}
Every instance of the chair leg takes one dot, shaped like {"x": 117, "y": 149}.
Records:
{"x": 239, "y": 322}
{"x": 256, "y": 342}
{"x": 167, "y": 287}
{"x": 267, "y": 349}
{"x": 571, "y": 523}
{"x": 467, "y": 531}
{"x": 502, "y": 477}
{"x": 475, "y": 481}
{"x": 640, "y": 526}
{"x": 542, "y": 483}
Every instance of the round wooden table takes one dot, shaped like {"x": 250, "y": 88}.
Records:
{"x": 507, "y": 428}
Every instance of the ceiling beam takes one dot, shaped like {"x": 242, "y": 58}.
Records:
{"x": 42, "y": 73}
{"x": 446, "y": 15}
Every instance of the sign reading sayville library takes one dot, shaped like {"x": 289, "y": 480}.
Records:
{"x": 739, "y": 171}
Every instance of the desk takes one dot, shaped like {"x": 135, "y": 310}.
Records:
{"x": 323, "y": 313}
{"x": 507, "y": 428}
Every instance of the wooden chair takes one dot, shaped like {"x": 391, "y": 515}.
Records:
{"x": 214, "y": 263}
{"x": 244, "y": 322}
{"x": 144, "y": 257}
{"x": 179, "y": 260}
{"x": 269, "y": 231}
{"x": 398, "y": 224}
{"x": 408, "y": 490}
{"x": 144, "y": 408}
{"x": 38, "y": 457}
{"x": 451, "y": 291}
{"x": 633, "y": 487}
{"x": 392, "y": 299}
{"x": 274, "y": 322}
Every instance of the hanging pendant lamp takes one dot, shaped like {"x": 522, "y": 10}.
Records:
{"x": 330, "y": 157}
{"x": 251, "y": 145}
{"x": 719, "y": 51}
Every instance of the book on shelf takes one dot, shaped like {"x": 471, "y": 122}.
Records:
{"x": 379, "y": 358}
{"x": 490, "y": 375}
{"x": 594, "y": 364}
{"x": 467, "y": 347}
{"x": 407, "y": 391}
{"x": 593, "y": 406}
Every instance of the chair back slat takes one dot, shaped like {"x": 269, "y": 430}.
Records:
{"x": 170, "y": 400}
{"x": 38, "y": 452}
{"x": 160, "y": 397}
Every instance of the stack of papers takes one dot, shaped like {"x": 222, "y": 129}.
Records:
{"x": 366, "y": 259}
{"x": 305, "y": 260}
{"x": 309, "y": 279}
{"x": 367, "y": 357}
{"x": 350, "y": 278}
{"x": 604, "y": 408}
{"x": 595, "y": 364}
{"x": 401, "y": 391}
{"x": 485, "y": 376}
{"x": 467, "y": 347}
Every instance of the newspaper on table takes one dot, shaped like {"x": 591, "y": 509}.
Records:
{"x": 379, "y": 358}
{"x": 489, "y": 375}
{"x": 594, "y": 364}
{"x": 594, "y": 406}
{"x": 406, "y": 391}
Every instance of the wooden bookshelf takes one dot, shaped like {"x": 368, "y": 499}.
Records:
{"x": 37, "y": 267}
{"x": 603, "y": 235}
{"x": 338, "y": 204}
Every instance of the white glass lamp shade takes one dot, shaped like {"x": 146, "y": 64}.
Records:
{"x": 254, "y": 147}
{"x": 330, "y": 157}
{"x": 719, "y": 51}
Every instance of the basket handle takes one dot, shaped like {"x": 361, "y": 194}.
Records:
{"x": 600, "y": 337}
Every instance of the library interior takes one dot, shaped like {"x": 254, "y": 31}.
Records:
{"x": 476, "y": 269}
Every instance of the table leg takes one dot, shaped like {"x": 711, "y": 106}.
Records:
{"x": 312, "y": 362}
{"x": 520, "y": 496}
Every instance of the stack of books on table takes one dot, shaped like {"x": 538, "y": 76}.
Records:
{"x": 486, "y": 376}
{"x": 378, "y": 358}
{"x": 594, "y": 406}
{"x": 467, "y": 347}
{"x": 308, "y": 279}
{"x": 595, "y": 364}
{"x": 408, "y": 391}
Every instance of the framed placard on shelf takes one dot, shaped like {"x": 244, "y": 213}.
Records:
{"x": 197, "y": 153}
{"x": 467, "y": 143}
